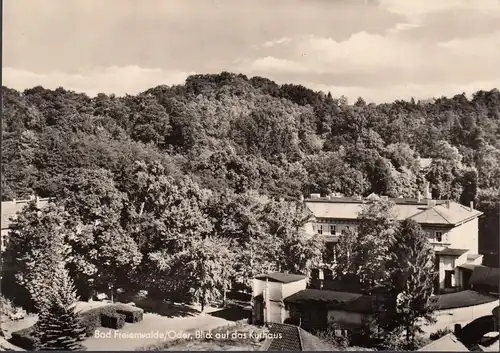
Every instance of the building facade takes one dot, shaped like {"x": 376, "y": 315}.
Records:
{"x": 451, "y": 227}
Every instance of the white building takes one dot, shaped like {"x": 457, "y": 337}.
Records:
{"x": 10, "y": 209}
{"x": 452, "y": 229}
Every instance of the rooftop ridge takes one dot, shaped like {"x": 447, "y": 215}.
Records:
{"x": 439, "y": 213}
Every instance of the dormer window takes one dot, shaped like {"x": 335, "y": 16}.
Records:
{"x": 439, "y": 236}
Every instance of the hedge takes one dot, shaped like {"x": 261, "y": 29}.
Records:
{"x": 91, "y": 319}
{"x": 114, "y": 315}
{"x": 131, "y": 315}
{"x": 24, "y": 338}
{"x": 114, "y": 321}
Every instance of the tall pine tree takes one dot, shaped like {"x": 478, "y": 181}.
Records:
{"x": 58, "y": 326}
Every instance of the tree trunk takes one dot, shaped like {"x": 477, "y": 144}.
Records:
{"x": 112, "y": 290}
{"x": 224, "y": 297}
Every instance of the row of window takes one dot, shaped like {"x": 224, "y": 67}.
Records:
{"x": 333, "y": 231}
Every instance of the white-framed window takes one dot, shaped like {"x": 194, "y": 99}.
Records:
{"x": 439, "y": 236}
{"x": 320, "y": 229}
{"x": 333, "y": 229}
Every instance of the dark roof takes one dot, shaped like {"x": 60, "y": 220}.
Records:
{"x": 284, "y": 337}
{"x": 353, "y": 302}
{"x": 281, "y": 277}
{"x": 486, "y": 276}
{"x": 461, "y": 299}
{"x": 451, "y": 252}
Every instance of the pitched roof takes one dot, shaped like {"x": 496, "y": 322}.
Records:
{"x": 11, "y": 208}
{"x": 451, "y": 252}
{"x": 449, "y": 213}
{"x": 285, "y": 337}
{"x": 345, "y": 301}
{"x": 281, "y": 277}
{"x": 443, "y": 213}
{"x": 448, "y": 343}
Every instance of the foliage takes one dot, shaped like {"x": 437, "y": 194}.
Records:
{"x": 219, "y": 161}
{"x": 58, "y": 327}
{"x": 364, "y": 252}
{"x": 91, "y": 319}
{"x": 412, "y": 269}
{"x": 37, "y": 242}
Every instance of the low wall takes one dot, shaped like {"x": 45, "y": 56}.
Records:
{"x": 459, "y": 315}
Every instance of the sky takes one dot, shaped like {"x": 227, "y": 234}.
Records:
{"x": 381, "y": 50}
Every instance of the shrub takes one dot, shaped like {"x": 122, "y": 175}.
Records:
{"x": 114, "y": 320}
{"x": 439, "y": 333}
{"x": 24, "y": 338}
{"x": 91, "y": 319}
{"x": 131, "y": 314}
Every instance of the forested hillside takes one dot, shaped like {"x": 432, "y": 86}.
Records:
{"x": 233, "y": 137}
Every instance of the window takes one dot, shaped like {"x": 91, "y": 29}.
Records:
{"x": 320, "y": 229}
{"x": 333, "y": 230}
{"x": 328, "y": 274}
{"x": 439, "y": 236}
{"x": 449, "y": 278}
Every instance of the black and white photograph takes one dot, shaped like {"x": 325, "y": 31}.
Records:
{"x": 250, "y": 175}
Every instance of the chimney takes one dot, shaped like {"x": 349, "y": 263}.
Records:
{"x": 447, "y": 204}
{"x": 457, "y": 330}
{"x": 37, "y": 200}
{"x": 14, "y": 201}
{"x": 471, "y": 206}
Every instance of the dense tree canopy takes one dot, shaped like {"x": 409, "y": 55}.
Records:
{"x": 218, "y": 164}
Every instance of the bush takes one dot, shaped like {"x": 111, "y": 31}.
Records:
{"x": 24, "y": 338}
{"x": 131, "y": 315}
{"x": 439, "y": 333}
{"x": 115, "y": 321}
{"x": 91, "y": 319}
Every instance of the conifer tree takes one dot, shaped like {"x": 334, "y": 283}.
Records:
{"x": 58, "y": 326}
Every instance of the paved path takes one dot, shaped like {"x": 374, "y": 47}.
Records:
{"x": 117, "y": 340}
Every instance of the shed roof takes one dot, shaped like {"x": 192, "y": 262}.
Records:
{"x": 352, "y": 302}
{"x": 281, "y": 277}
{"x": 451, "y": 252}
{"x": 461, "y": 299}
